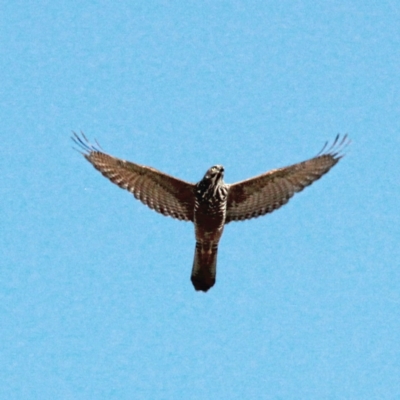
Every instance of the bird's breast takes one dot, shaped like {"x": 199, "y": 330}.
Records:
{"x": 210, "y": 210}
{"x": 209, "y": 220}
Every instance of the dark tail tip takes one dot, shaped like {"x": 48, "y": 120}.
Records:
{"x": 204, "y": 266}
{"x": 202, "y": 284}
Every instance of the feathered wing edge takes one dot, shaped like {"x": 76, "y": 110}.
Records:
{"x": 265, "y": 193}
{"x": 337, "y": 147}
{"x": 84, "y": 144}
{"x": 161, "y": 192}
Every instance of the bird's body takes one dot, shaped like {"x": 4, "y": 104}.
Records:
{"x": 211, "y": 195}
{"x": 211, "y": 203}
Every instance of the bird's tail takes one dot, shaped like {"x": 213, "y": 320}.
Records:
{"x": 204, "y": 266}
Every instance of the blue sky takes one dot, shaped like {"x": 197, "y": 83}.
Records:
{"x": 95, "y": 296}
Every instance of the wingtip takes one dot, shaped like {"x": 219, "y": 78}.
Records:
{"x": 84, "y": 145}
{"x": 336, "y": 149}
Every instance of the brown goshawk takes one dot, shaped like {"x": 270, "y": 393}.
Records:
{"x": 211, "y": 203}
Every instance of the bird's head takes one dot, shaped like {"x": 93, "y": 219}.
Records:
{"x": 212, "y": 187}
{"x": 215, "y": 173}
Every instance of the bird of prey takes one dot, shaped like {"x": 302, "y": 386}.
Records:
{"x": 211, "y": 203}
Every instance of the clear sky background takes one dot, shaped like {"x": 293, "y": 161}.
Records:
{"x": 95, "y": 296}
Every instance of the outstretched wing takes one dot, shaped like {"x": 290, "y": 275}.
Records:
{"x": 267, "y": 192}
{"x": 161, "y": 192}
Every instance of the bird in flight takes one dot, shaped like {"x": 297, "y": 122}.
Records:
{"x": 211, "y": 203}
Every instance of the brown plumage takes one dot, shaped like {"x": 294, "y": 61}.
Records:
{"x": 211, "y": 203}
